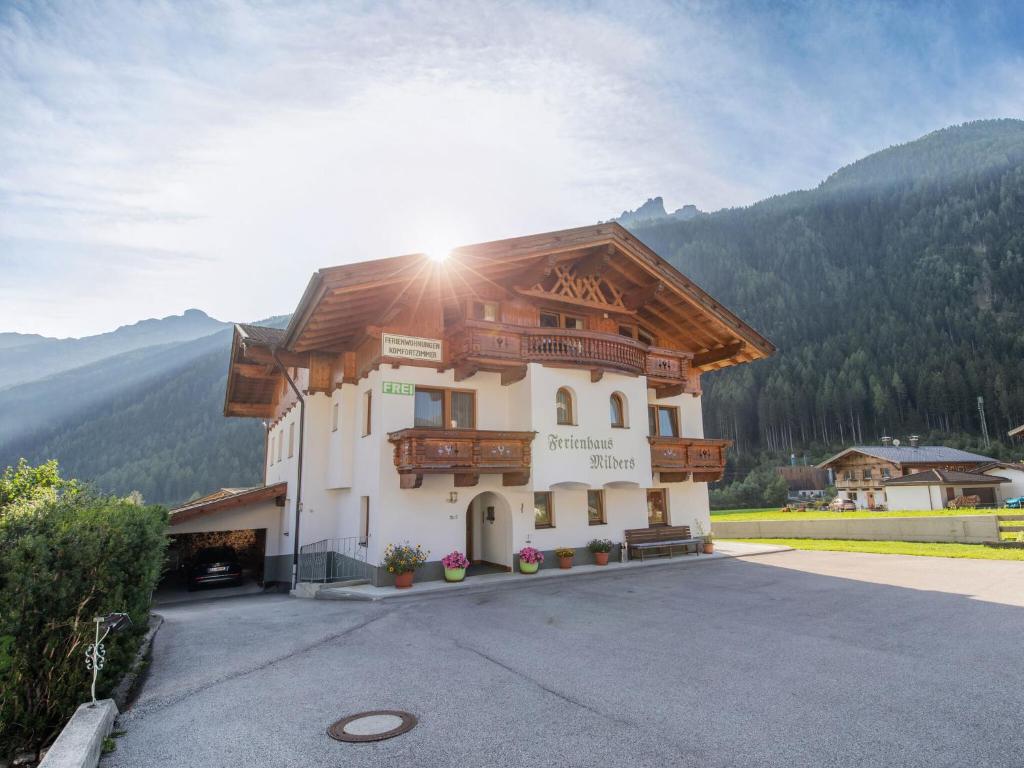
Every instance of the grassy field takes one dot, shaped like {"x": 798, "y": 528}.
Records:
{"x": 972, "y": 551}
{"x": 725, "y": 515}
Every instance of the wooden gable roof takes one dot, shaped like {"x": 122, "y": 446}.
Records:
{"x": 627, "y": 277}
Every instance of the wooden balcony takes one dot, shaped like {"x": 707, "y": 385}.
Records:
{"x": 478, "y": 345}
{"x": 464, "y": 453}
{"x": 676, "y": 458}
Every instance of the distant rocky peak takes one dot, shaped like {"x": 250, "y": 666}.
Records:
{"x": 654, "y": 210}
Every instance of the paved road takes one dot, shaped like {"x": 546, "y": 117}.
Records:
{"x": 790, "y": 659}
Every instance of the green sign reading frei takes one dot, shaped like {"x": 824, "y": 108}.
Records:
{"x": 398, "y": 388}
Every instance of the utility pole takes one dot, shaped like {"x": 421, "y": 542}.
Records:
{"x": 984, "y": 425}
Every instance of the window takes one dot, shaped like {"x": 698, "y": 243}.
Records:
{"x": 628, "y": 331}
{"x": 543, "y": 513}
{"x": 866, "y": 474}
{"x": 334, "y": 418}
{"x": 557, "y": 320}
{"x": 886, "y": 474}
{"x": 576, "y": 323}
{"x": 291, "y": 439}
{"x": 657, "y": 507}
{"x": 485, "y": 310}
{"x": 617, "y": 406}
{"x": 663, "y": 420}
{"x": 848, "y": 475}
{"x": 367, "y": 404}
{"x": 645, "y": 337}
{"x": 563, "y": 406}
{"x": 270, "y": 449}
{"x": 364, "y": 520}
{"x": 280, "y": 445}
{"x": 445, "y": 408}
{"x": 595, "y": 507}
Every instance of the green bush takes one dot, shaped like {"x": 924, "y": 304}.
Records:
{"x": 65, "y": 558}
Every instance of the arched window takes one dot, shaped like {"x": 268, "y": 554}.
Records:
{"x": 617, "y": 405}
{"x": 564, "y": 406}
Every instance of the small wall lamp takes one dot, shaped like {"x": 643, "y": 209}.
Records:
{"x": 453, "y": 496}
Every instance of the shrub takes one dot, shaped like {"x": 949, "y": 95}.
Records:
{"x": 402, "y": 558}
{"x": 531, "y": 555}
{"x": 600, "y": 545}
{"x": 565, "y": 552}
{"x": 63, "y": 560}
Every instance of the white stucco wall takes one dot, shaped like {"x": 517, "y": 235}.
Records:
{"x": 342, "y": 466}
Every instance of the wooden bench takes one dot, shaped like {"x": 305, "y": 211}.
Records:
{"x": 661, "y": 540}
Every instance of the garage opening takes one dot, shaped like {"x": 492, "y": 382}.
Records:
{"x": 205, "y": 560}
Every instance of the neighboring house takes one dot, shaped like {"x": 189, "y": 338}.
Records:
{"x": 543, "y": 390}
{"x": 935, "y": 488}
{"x": 863, "y": 471}
{"x": 804, "y": 483}
{"x": 1013, "y": 472}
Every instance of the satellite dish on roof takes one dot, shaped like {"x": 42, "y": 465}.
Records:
{"x": 896, "y": 443}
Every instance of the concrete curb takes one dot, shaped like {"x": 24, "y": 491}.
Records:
{"x": 81, "y": 742}
{"x": 544, "y": 576}
{"x": 125, "y": 690}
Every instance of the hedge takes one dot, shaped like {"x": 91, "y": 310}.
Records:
{"x": 64, "y": 560}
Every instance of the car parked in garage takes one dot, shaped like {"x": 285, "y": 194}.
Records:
{"x": 213, "y": 565}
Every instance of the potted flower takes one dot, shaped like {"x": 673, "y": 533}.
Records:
{"x": 402, "y": 560}
{"x": 455, "y": 565}
{"x": 565, "y": 556}
{"x": 709, "y": 541}
{"x": 600, "y": 549}
{"x": 530, "y": 559}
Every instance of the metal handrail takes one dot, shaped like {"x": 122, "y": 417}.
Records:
{"x": 328, "y": 560}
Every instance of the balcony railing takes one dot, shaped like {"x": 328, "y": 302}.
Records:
{"x": 464, "y": 453}
{"x": 675, "y": 458}
{"x": 490, "y": 345}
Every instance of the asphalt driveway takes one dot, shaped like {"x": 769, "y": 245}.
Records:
{"x": 788, "y": 659}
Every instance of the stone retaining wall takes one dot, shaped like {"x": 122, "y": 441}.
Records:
{"x": 965, "y": 529}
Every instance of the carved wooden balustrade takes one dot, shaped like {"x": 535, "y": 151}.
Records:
{"x": 673, "y": 458}
{"x": 465, "y": 453}
{"x": 487, "y": 345}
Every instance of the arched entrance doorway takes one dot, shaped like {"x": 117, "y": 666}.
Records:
{"x": 489, "y": 532}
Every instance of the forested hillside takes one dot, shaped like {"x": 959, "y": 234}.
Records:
{"x": 149, "y": 420}
{"x": 892, "y": 290}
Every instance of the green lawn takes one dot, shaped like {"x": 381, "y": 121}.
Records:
{"x": 973, "y": 551}
{"x": 725, "y": 515}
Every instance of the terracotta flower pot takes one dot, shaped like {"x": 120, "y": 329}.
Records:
{"x": 565, "y": 563}
{"x": 404, "y": 580}
{"x": 709, "y": 547}
{"x": 454, "y": 574}
{"x": 528, "y": 567}
{"x": 601, "y": 558}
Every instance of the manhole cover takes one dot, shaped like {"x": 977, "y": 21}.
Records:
{"x": 372, "y": 726}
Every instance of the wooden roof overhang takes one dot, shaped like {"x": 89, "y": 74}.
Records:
{"x": 341, "y": 302}
{"x": 254, "y": 377}
{"x": 228, "y": 499}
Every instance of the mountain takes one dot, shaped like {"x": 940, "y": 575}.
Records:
{"x": 654, "y": 210}
{"x": 12, "y": 340}
{"x": 29, "y": 357}
{"x": 893, "y": 291}
{"x": 149, "y": 420}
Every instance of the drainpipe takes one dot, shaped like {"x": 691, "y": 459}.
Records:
{"x": 298, "y": 481}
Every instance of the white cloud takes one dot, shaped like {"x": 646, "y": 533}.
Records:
{"x": 163, "y": 156}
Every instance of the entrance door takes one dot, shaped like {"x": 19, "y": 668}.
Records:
{"x": 489, "y": 531}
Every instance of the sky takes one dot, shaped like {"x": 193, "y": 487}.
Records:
{"x": 161, "y": 156}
